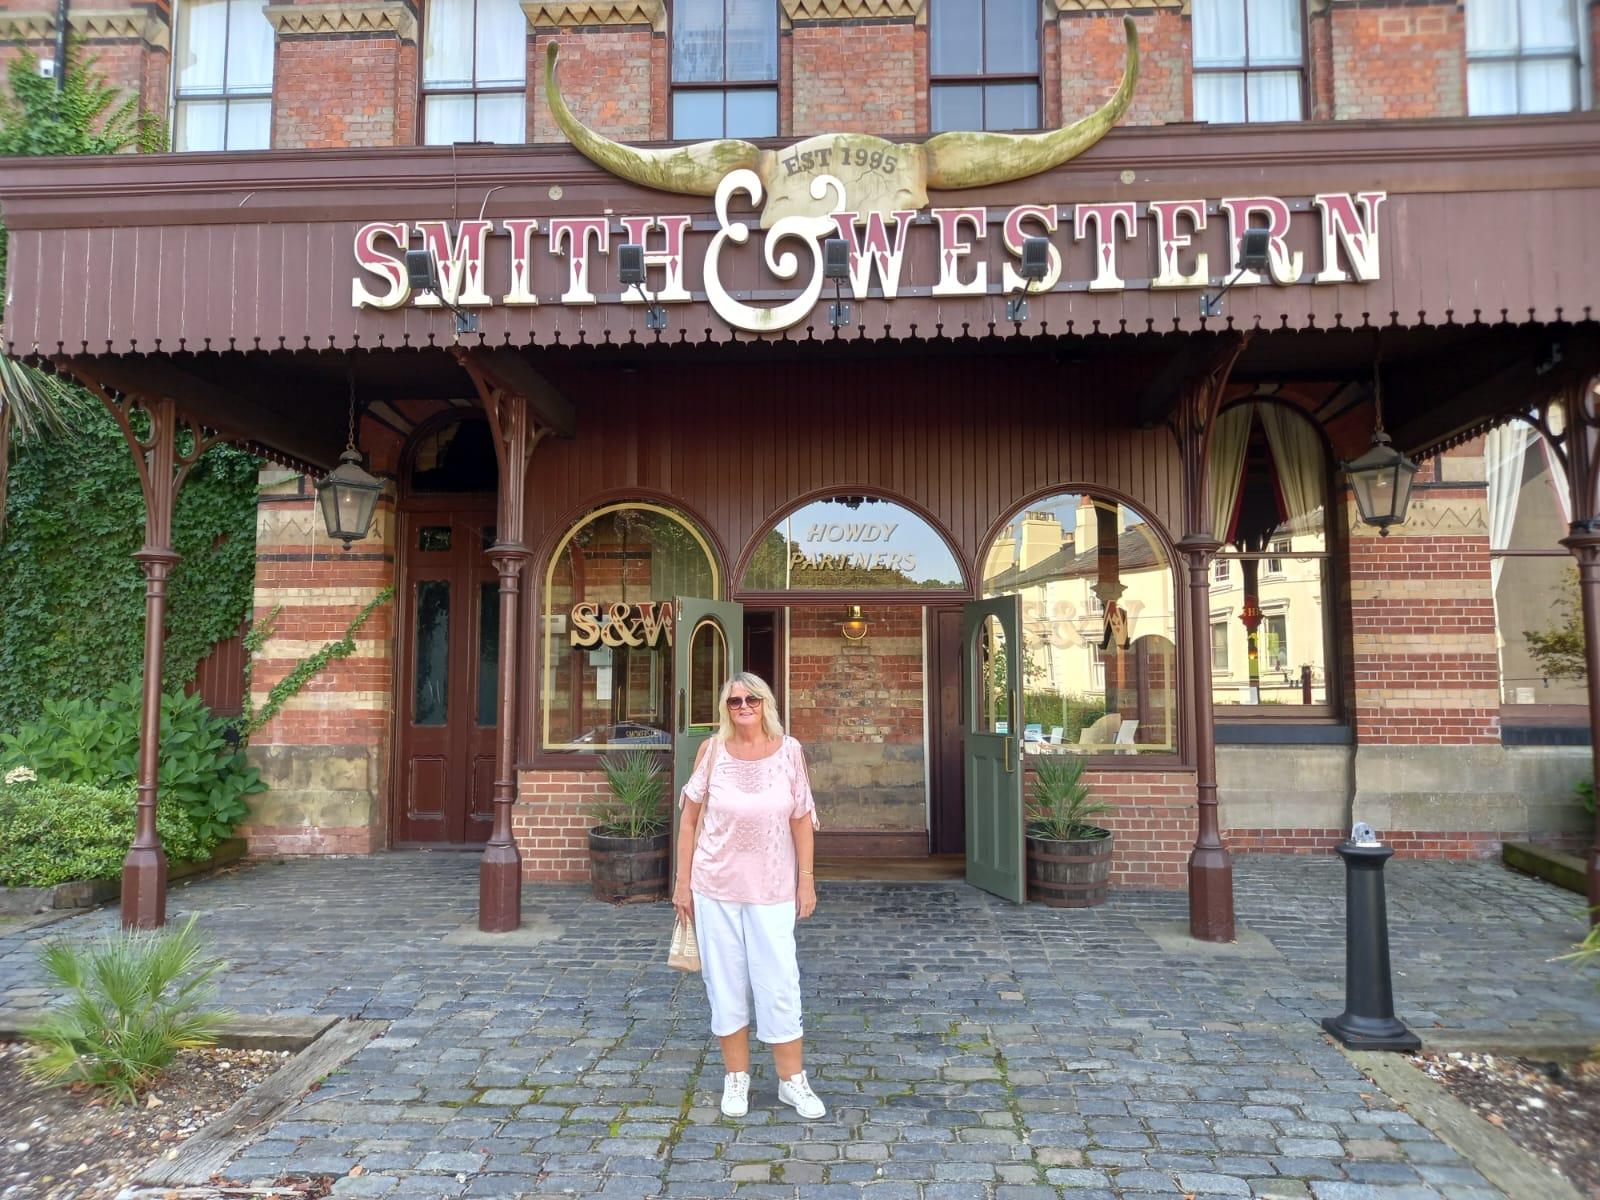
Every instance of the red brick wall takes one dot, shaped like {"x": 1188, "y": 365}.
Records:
{"x": 551, "y": 823}
{"x": 607, "y": 78}
{"x": 1091, "y": 57}
{"x": 1153, "y": 825}
{"x": 1400, "y": 61}
{"x": 829, "y": 59}
{"x": 343, "y": 91}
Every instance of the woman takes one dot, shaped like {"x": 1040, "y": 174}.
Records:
{"x": 745, "y": 836}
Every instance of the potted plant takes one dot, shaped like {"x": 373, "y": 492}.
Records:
{"x": 629, "y": 844}
{"x": 1069, "y": 857}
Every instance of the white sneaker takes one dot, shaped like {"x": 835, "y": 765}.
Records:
{"x": 735, "y": 1094}
{"x": 797, "y": 1093}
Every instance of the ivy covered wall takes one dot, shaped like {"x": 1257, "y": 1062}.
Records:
{"x": 71, "y": 595}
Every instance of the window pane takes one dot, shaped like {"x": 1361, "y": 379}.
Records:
{"x": 488, "y": 653}
{"x": 447, "y": 44}
{"x": 500, "y": 118}
{"x": 249, "y": 124}
{"x": 502, "y": 44}
{"x": 956, "y": 107}
{"x": 1548, "y": 85}
{"x": 626, "y": 564}
{"x": 199, "y": 125}
{"x": 1274, "y": 28}
{"x": 1274, "y": 95}
{"x": 1539, "y": 596}
{"x": 708, "y": 670}
{"x": 250, "y": 42}
{"x": 1491, "y": 26}
{"x": 1219, "y": 648}
{"x": 1218, "y": 35}
{"x": 993, "y": 704}
{"x": 1289, "y": 664}
{"x": 447, "y": 119}
{"x": 1098, "y": 625}
{"x": 696, "y": 115}
{"x": 200, "y": 56}
{"x": 697, "y": 41}
{"x": 1548, "y": 25}
{"x": 1219, "y": 98}
{"x": 432, "y": 539}
{"x": 752, "y": 40}
{"x": 752, "y": 114}
{"x": 1011, "y": 37}
{"x": 1491, "y": 88}
{"x": 430, "y": 703}
{"x": 1011, "y": 106}
{"x": 955, "y": 41}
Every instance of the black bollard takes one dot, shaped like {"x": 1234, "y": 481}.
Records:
{"x": 1368, "y": 1021}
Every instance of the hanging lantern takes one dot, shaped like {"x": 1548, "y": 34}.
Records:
{"x": 348, "y": 495}
{"x": 1381, "y": 478}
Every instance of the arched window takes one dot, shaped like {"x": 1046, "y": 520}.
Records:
{"x": 1270, "y": 629}
{"x": 607, "y": 622}
{"x": 1098, "y": 625}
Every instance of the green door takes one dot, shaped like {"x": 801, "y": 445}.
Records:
{"x": 707, "y": 647}
{"x": 992, "y": 649}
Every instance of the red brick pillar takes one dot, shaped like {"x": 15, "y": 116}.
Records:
{"x": 835, "y": 44}
{"x": 614, "y": 66}
{"x": 1085, "y": 65}
{"x": 132, "y": 43}
{"x": 1398, "y": 59}
{"x": 345, "y": 74}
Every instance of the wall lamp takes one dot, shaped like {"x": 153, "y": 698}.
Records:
{"x": 1034, "y": 267}
{"x": 630, "y": 271}
{"x": 422, "y": 273}
{"x": 836, "y": 266}
{"x": 855, "y": 625}
{"x": 1255, "y": 254}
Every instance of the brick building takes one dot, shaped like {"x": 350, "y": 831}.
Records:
{"x": 1351, "y": 676}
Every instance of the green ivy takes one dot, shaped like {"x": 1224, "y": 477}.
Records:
{"x": 71, "y": 595}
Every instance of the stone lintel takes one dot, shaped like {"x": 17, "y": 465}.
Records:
{"x": 573, "y": 14}
{"x": 812, "y": 11}
{"x": 383, "y": 18}
{"x": 148, "y": 25}
{"x": 1056, "y": 8}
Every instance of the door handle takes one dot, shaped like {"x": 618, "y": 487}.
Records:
{"x": 1007, "y": 753}
{"x": 681, "y": 707}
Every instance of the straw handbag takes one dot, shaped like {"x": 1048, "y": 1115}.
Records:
{"x": 683, "y": 953}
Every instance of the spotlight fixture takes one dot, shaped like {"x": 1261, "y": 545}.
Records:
{"x": 631, "y": 273}
{"x": 422, "y": 273}
{"x": 836, "y": 266}
{"x": 1255, "y": 254}
{"x": 1034, "y": 267}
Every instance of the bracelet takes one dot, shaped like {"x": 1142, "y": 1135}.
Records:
{"x": 803, "y": 871}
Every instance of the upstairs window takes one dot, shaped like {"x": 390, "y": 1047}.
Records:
{"x": 724, "y": 69}
{"x": 1249, "y": 60}
{"x": 1522, "y": 56}
{"x": 474, "y": 72}
{"x": 222, "y": 76}
{"x": 983, "y": 64}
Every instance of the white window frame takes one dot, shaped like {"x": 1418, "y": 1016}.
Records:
{"x": 1227, "y": 647}
{"x": 1244, "y": 68}
{"x": 475, "y": 89}
{"x": 1583, "y": 92}
{"x": 228, "y": 96}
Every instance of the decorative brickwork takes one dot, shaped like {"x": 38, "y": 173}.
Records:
{"x": 131, "y": 46}
{"x": 575, "y": 14}
{"x": 1398, "y": 61}
{"x": 320, "y": 20}
{"x": 798, "y": 11}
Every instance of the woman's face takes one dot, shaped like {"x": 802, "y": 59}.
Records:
{"x": 744, "y": 708}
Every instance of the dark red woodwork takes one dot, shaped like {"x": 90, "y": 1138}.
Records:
{"x": 946, "y": 801}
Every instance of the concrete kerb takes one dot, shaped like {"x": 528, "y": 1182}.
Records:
{"x": 1492, "y": 1151}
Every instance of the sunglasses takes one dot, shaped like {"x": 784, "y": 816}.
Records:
{"x": 750, "y": 702}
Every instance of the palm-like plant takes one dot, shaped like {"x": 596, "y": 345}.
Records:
{"x": 635, "y": 786}
{"x": 1063, "y": 810}
{"x": 134, "y": 999}
{"x": 31, "y": 402}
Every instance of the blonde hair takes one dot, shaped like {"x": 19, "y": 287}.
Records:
{"x": 771, "y": 722}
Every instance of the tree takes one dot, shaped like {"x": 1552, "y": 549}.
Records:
{"x": 1559, "y": 650}
{"x": 86, "y": 115}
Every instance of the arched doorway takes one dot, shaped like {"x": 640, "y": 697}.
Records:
{"x": 446, "y": 699}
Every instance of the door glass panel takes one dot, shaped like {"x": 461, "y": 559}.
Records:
{"x": 433, "y": 538}
{"x": 430, "y": 704}
{"x": 708, "y": 670}
{"x": 488, "y": 653}
{"x": 853, "y": 543}
{"x": 989, "y": 669}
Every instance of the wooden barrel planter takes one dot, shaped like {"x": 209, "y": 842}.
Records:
{"x": 1075, "y": 874}
{"x": 627, "y": 870}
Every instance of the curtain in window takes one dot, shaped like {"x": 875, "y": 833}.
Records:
{"x": 1274, "y": 33}
{"x": 1301, "y": 468}
{"x": 250, "y": 43}
{"x": 1219, "y": 33}
{"x": 502, "y": 42}
{"x": 1229, "y": 437}
{"x": 447, "y": 45}
{"x": 1505, "y": 451}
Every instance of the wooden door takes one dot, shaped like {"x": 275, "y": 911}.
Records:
{"x": 448, "y": 693}
{"x": 707, "y": 647}
{"x": 992, "y": 638}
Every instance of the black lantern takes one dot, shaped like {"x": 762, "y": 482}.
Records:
{"x": 348, "y": 494}
{"x": 1381, "y": 478}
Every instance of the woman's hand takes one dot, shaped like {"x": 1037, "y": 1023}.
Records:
{"x": 805, "y": 897}
{"x": 683, "y": 901}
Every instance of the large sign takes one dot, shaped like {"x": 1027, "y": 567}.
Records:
{"x": 1094, "y": 247}
{"x": 645, "y": 624}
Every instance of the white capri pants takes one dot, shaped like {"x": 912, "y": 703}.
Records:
{"x": 745, "y": 948}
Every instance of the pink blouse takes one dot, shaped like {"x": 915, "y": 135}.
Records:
{"x": 744, "y": 851}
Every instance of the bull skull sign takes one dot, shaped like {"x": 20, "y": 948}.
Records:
{"x": 879, "y": 176}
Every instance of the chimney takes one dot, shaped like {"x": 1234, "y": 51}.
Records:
{"x": 1041, "y": 536}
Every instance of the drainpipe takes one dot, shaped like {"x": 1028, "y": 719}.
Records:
{"x": 61, "y": 44}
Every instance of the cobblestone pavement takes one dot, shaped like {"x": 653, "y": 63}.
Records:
{"x": 968, "y": 1050}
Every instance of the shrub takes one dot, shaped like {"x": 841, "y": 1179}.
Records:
{"x": 1063, "y": 809}
{"x": 1585, "y": 793}
{"x": 96, "y": 742}
{"x": 134, "y": 999}
{"x": 53, "y": 832}
{"x": 635, "y": 785}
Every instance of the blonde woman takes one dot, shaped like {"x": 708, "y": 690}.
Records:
{"x": 743, "y": 880}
